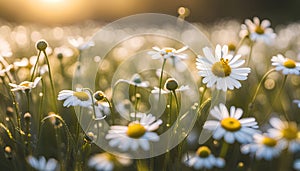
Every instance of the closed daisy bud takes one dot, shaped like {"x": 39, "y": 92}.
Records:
{"x": 27, "y": 116}
{"x": 9, "y": 111}
{"x": 99, "y": 95}
{"x": 41, "y": 45}
{"x": 8, "y": 152}
{"x": 171, "y": 84}
{"x": 60, "y": 56}
{"x": 89, "y": 137}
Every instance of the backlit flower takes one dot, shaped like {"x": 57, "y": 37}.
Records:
{"x": 107, "y": 162}
{"x": 137, "y": 133}
{"x": 263, "y": 147}
{"x": 80, "y": 97}
{"x": 221, "y": 69}
{"x": 286, "y": 65}
{"x": 204, "y": 159}
{"x": 136, "y": 80}
{"x": 258, "y": 31}
{"x": 286, "y": 132}
{"x": 168, "y": 52}
{"x": 25, "y": 85}
{"x": 231, "y": 126}
{"x": 41, "y": 164}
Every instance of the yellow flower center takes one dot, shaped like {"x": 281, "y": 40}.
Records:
{"x": 203, "y": 152}
{"x": 290, "y": 132}
{"x": 110, "y": 157}
{"x": 231, "y": 47}
{"x": 81, "y": 96}
{"x": 269, "y": 141}
{"x": 25, "y": 84}
{"x": 135, "y": 130}
{"x": 221, "y": 69}
{"x": 231, "y": 124}
{"x": 167, "y": 50}
{"x": 259, "y": 30}
{"x": 289, "y": 63}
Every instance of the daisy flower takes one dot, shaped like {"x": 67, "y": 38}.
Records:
{"x": 221, "y": 69}
{"x": 286, "y": 132}
{"x": 230, "y": 126}
{"x": 25, "y": 85}
{"x": 107, "y": 162}
{"x": 41, "y": 164}
{"x": 204, "y": 159}
{"x": 80, "y": 43}
{"x": 258, "y": 31}
{"x": 168, "y": 52}
{"x": 6, "y": 69}
{"x": 137, "y": 133}
{"x": 80, "y": 97}
{"x": 286, "y": 65}
{"x": 170, "y": 86}
{"x": 297, "y": 102}
{"x": 263, "y": 147}
{"x": 136, "y": 81}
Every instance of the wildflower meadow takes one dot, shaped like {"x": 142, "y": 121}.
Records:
{"x": 150, "y": 92}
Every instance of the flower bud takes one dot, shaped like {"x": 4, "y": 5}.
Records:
{"x": 99, "y": 95}
{"x": 27, "y": 116}
{"x": 171, "y": 84}
{"x": 41, "y": 45}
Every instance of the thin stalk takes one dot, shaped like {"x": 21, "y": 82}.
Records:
{"x": 161, "y": 75}
{"x": 35, "y": 65}
{"x": 224, "y": 149}
{"x": 51, "y": 82}
{"x": 111, "y": 110}
{"x": 239, "y": 44}
{"x": 276, "y": 97}
{"x": 41, "y": 105}
{"x": 250, "y": 106}
{"x": 250, "y": 54}
{"x": 136, "y": 102}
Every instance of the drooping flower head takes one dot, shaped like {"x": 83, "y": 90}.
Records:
{"x": 80, "y": 97}
{"x": 222, "y": 69}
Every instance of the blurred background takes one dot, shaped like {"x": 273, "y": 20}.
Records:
{"x": 54, "y": 12}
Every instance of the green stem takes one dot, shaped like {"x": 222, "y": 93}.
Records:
{"x": 239, "y": 44}
{"x": 224, "y": 149}
{"x": 250, "y": 106}
{"x": 111, "y": 110}
{"x": 202, "y": 96}
{"x": 177, "y": 103}
{"x": 51, "y": 82}
{"x": 41, "y": 105}
{"x": 161, "y": 76}
{"x": 35, "y": 65}
{"x": 28, "y": 100}
{"x": 250, "y": 54}
{"x": 136, "y": 103}
{"x": 276, "y": 97}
